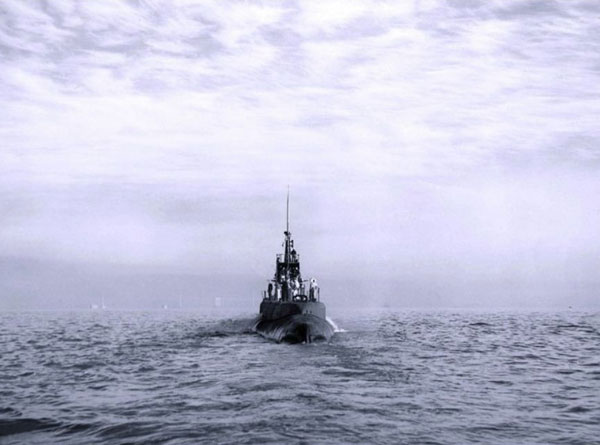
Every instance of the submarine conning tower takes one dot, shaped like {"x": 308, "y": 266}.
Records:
{"x": 287, "y": 284}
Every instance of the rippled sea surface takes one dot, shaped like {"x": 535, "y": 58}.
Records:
{"x": 407, "y": 377}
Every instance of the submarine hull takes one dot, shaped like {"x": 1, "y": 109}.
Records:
{"x": 297, "y": 328}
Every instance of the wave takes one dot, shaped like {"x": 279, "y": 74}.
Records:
{"x": 18, "y": 426}
{"x": 335, "y": 327}
{"x": 229, "y": 327}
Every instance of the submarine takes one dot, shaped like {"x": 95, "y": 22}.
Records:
{"x": 291, "y": 310}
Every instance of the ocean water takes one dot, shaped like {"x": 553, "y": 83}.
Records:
{"x": 408, "y": 377}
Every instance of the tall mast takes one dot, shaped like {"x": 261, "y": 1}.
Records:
{"x": 287, "y": 230}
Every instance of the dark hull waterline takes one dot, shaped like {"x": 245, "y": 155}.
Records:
{"x": 298, "y": 328}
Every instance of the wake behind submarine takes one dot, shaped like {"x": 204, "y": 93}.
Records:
{"x": 291, "y": 310}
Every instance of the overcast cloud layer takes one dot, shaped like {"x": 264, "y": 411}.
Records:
{"x": 440, "y": 153}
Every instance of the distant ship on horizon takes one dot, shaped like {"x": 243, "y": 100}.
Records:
{"x": 95, "y": 307}
{"x": 291, "y": 310}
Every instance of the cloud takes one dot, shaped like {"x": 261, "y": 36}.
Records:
{"x": 471, "y": 80}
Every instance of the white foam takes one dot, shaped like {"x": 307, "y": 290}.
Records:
{"x": 335, "y": 327}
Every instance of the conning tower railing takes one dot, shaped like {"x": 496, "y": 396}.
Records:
{"x": 302, "y": 293}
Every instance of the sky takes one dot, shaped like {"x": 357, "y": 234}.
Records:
{"x": 439, "y": 154}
